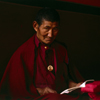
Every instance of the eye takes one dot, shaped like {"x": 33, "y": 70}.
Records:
{"x": 46, "y": 28}
{"x": 55, "y": 29}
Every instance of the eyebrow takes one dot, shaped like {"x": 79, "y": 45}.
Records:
{"x": 50, "y": 26}
{"x": 47, "y": 26}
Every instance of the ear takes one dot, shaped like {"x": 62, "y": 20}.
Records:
{"x": 35, "y": 26}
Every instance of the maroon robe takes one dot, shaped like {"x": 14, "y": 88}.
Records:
{"x": 18, "y": 81}
{"x": 45, "y": 56}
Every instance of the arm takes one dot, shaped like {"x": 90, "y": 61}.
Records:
{"x": 72, "y": 83}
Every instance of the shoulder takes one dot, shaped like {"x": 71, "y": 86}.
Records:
{"x": 26, "y": 47}
{"x": 61, "y": 51}
{"x": 60, "y": 46}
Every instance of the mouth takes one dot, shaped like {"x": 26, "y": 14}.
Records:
{"x": 48, "y": 39}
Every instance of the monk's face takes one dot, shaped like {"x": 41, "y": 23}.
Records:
{"x": 47, "y": 31}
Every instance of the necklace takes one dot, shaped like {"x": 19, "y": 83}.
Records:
{"x": 49, "y": 59}
{"x": 50, "y": 68}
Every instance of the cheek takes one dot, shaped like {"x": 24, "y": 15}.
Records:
{"x": 43, "y": 33}
{"x": 55, "y": 34}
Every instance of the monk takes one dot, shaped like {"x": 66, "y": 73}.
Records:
{"x": 39, "y": 68}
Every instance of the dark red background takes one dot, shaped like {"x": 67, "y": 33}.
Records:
{"x": 85, "y": 2}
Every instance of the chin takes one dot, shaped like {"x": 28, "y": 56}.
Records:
{"x": 48, "y": 42}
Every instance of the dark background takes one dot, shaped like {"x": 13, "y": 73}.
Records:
{"x": 79, "y": 30}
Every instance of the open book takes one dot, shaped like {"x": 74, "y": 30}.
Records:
{"x": 74, "y": 88}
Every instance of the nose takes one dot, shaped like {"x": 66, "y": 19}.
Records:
{"x": 50, "y": 33}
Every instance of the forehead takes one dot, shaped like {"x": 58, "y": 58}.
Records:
{"x": 49, "y": 23}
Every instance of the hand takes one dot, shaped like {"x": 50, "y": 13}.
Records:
{"x": 73, "y": 84}
{"x": 46, "y": 90}
{"x": 78, "y": 84}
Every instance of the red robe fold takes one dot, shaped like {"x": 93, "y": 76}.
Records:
{"x": 18, "y": 78}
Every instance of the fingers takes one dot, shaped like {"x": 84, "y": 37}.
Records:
{"x": 40, "y": 90}
{"x": 45, "y": 90}
{"x": 78, "y": 84}
{"x": 50, "y": 90}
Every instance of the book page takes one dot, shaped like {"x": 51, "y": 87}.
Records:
{"x": 74, "y": 88}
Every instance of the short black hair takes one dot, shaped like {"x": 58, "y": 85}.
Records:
{"x": 48, "y": 14}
